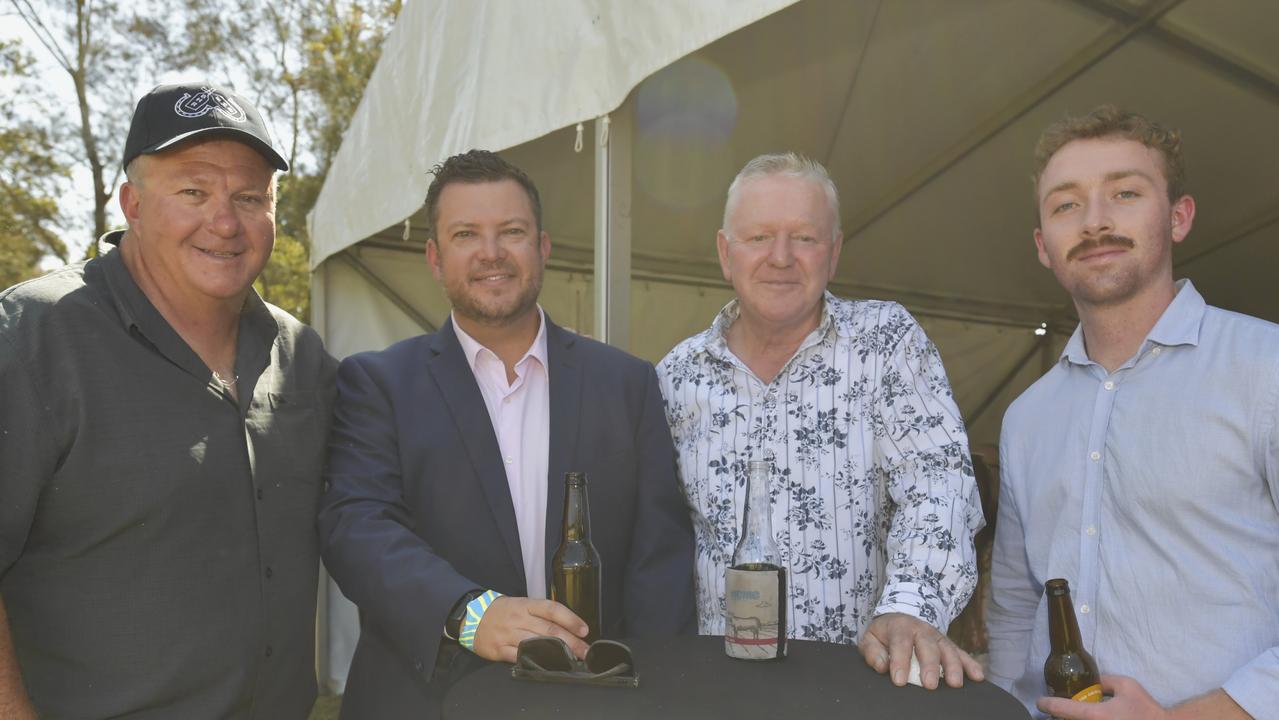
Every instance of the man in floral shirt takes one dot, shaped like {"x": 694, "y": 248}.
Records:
{"x": 873, "y": 499}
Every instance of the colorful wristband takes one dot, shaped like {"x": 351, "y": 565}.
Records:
{"x": 474, "y": 613}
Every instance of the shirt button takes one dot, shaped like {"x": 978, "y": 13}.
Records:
{"x": 509, "y": 460}
{"x": 1109, "y": 385}
{"x": 506, "y": 400}
{"x": 1155, "y": 351}
{"x": 269, "y": 573}
{"x": 1084, "y": 608}
{"x": 1092, "y": 530}
{"x": 1095, "y": 455}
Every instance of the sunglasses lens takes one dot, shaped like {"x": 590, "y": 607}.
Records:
{"x": 545, "y": 653}
{"x": 606, "y": 655}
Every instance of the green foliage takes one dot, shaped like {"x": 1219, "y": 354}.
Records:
{"x": 324, "y": 52}
{"x": 285, "y": 281}
{"x": 303, "y": 62}
{"x": 29, "y": 172}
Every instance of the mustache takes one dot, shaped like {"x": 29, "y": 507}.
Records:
{"x": 1100, "y": 242}
{"x": 493, "y": 267}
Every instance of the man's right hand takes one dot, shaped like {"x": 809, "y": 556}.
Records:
{"x": 512, "y": 619}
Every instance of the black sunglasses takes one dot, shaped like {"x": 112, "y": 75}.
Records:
{"x": 547, "y": 659}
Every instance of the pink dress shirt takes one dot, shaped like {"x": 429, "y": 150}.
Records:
{"x": 521, "y": 415}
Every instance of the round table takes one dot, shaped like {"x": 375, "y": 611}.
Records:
{"x": 691, "y": 677}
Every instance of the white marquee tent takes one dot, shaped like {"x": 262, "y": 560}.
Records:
{"x": 633, "y": 115}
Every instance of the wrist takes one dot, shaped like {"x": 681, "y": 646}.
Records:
{"x": 475, "y": 610}
{"x": 457, "y": 614}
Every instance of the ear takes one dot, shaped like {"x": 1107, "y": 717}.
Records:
{"x": 433, "y": 258}
{"x": 721, "y": 246}
{"x": 1183, "y": 217}
{"x": 544, "y": 244}
{"x": 130, "y": 203}
{"x": 1043, "y": 252}
{"x": 834, "y": 254}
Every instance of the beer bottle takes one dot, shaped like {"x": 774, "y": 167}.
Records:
{"x": 1069, "y": 670}
{"x": 755, "y": 599}
{"x": 575, "y": 567}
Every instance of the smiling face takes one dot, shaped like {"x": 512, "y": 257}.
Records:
{"x": 779, "y": 248}
{"x": 488, "y": 252}
{"x": 1106, "y": 224}
{"x": 201, "y": 223}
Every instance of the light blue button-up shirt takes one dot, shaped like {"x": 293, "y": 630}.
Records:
{"x": 1154, "y": 490}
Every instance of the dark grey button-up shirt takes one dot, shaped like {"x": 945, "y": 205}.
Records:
{"x": 157, "y": 551}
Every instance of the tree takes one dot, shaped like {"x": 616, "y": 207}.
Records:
{"x": 325, "y": 53}
{"x": 303, "y": 62}
{"x": 29, "y": 176}
{"x": 104, "y": 49}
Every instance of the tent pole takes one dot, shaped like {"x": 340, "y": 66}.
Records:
{"x": 613, "y": 228}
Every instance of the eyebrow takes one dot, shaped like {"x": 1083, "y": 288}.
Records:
{"x": 459, "y": 224}
{"x": 1108, "y": 177}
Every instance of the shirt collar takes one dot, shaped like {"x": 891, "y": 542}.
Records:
{"x": 1178, "y": 325}
{"x": 472, "y": 348}
{"x": 715, "y": 341}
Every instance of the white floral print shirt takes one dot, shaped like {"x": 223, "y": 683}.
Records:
{"x": 874, "y": 505}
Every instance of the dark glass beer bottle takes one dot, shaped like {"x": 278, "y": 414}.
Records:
{"x": 1069, "y": 670}
{"x": 755, "y": 597}
{"x": 575, "y": 567}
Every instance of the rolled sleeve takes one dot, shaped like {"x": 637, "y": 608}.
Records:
{"x": 932, "y": 563}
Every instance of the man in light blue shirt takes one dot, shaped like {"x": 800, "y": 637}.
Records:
{"x": 1144, "y": 466}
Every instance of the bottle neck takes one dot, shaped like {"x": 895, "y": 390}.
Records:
{"x": 577, "y": 513}
{"x": 756, "y": 544}
{"x": 1063, "y": 629}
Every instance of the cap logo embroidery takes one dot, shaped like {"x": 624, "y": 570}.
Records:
{"x": 205, "y": 102}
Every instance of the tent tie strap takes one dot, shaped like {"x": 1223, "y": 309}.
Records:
{"x": 604, "y": 131}
{"x": 577, "y": 144}
{"x": 407, "y": 225}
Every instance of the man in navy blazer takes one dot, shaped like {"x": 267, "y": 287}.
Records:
{"x": 447, "y": 458}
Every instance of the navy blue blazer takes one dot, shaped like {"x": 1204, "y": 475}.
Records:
{"x": 418, "y": 510}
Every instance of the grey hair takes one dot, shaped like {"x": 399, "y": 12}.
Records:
{"x": 790, "y": 164}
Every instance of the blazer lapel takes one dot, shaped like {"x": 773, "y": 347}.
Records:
{"x": 566, "y": 399}
{"x": 453, "y": 376}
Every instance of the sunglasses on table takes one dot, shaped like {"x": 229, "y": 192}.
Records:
{"x": 547, "y": 659}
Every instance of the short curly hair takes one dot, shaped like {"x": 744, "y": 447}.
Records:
{"x": 1108, "y": 121}
{"x": 476, "y": 166}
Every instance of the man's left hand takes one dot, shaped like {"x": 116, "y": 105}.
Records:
{"x": 889, "y": 639}
{"x": 1129, "y": 701}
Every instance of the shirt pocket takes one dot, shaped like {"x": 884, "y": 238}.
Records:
{"x": 293, "y": 438}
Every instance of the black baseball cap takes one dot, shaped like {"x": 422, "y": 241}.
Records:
{"x": 170, "y": 114}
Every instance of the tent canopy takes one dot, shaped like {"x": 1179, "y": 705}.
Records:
{"x": 925, "y": 112}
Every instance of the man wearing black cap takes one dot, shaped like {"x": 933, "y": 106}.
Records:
{"x": 161, "y": 437}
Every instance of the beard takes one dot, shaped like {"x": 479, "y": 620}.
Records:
{"x": 486, "y": 308}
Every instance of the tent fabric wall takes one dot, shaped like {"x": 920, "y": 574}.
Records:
{"x": 924, "y": 111}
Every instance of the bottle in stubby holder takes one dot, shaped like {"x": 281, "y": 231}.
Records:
{"x": 575, "y": 566}
{"x": 1069, "y": 671}
{"x": 755, "y": 597}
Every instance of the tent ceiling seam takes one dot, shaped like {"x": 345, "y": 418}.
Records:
{"x": 852, "y": 85}
{"x": 1049, "y": 85}
{"x": 369, "y": 276}
{"x": 1186, "y": 42}
{"x": 1244, "y": 230}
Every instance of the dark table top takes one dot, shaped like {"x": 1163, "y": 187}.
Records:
{"x": 691, "y": 677}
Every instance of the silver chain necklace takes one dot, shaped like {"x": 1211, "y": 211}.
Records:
{"x": 223, "y": 381}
